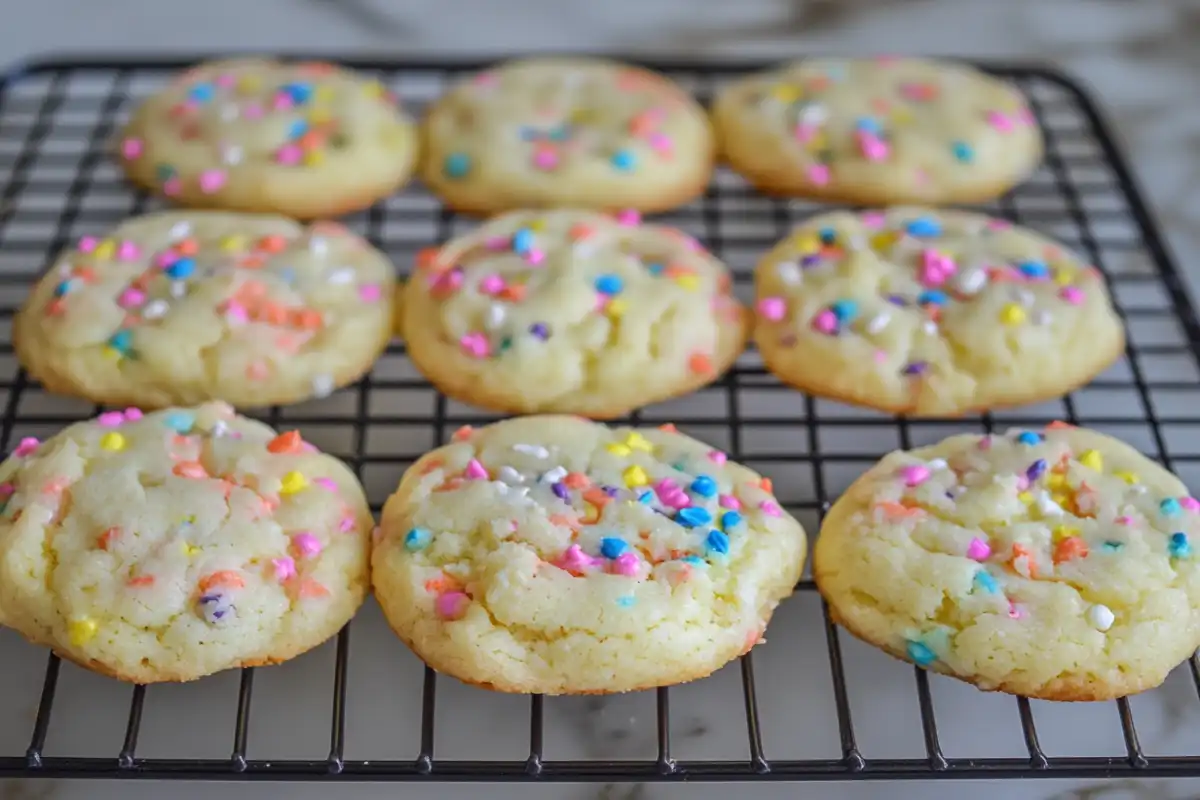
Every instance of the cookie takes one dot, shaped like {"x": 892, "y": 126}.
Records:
{"x": 302, "y": 139}
{"x": 573, "y": 312}
{"x": 1057, "y": 564}
{"x": 566, "y": 132}
{"x": 931, "y": 313}
{"x": 554, "y": 555}
{"x": 172, "y": 545}
{"x": 181, "y": 307}
{"x": 878, "y": 131}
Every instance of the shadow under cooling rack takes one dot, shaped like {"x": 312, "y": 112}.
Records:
{"x": 55, "y": 121}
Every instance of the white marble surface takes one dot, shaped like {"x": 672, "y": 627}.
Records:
{"x": 1141, "y": 61}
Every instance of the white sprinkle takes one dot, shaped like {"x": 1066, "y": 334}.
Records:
{"x": 970, "y": 281}
{"x": 878, "y": 322}
{"x": 856, "y": 242}
{"x": 1137, "y": 488}
{"x": 1041, "y": 317}
{"x": 231, "y": 154}
{"x": 553, "y": 475}
{"x": 178, "y": 289}
{"x": 155, "y": 309}
{"x": 535, "y": 450}
{"x": 322, "y": 385}
{"x": 510, "y": 475}
{"x": 495, "y": 316}
{"x": 64, "y": 271}
{"x": 937, "y": 464}
{"x": 1024, "y": 297}
{"x": 317, "y": 245}
{"x": 180, "y": 229}
{"x": 220, "y": 428}
{"x": 814, "y": 114}
{"x": 1100, "y": 617}
{"x": 930, "y": 327}
{"x": 341, "y": 275}
{"x": 789, "y": 272}
{"x": 1046, "y": 506}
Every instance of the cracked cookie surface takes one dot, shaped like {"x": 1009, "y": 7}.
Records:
{"x": 928, "y": 312}
{"x": 554, "y": 555}
{"x": 184, "y": 307}
{"x": 174, "y": 544}
{"x": 1056, "y": 564}
{"x": 572, "y": 312}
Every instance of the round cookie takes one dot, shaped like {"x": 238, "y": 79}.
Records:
{"x": 573, "y": 312}
{"x": 183, "y": 307}
{"x": 878, "y": 131}
{"x": 1058, "y": 565}
{"x": 566, "y": 132}
{"x": 554, "y": 555}
{"x": 931, "y": 313}
{"x": 172, "y": 545}
{"x": 252, "y": 134}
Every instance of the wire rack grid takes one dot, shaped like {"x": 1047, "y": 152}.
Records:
{"x": 56, "y": 183}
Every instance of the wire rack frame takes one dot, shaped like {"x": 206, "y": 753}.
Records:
{"x": 711, "y": 214}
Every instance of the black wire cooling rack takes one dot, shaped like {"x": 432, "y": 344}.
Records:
{"x": 56, "y": 183}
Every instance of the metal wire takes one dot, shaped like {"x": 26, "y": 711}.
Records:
{"x": 721, "y": 205}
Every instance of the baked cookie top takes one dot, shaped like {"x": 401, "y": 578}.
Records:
{"x": 878, "y": 131}
{"x": 170, "y": 545}
{"x": 252, "y": 134}
{"x": 182, "y": 307}
{"x": 931, "y": 312}
{"x": 1056, "y": 564}
{"x": 556, "y": 555}
{"x": 571, "y": 311}
{"x": 574, "y": 132}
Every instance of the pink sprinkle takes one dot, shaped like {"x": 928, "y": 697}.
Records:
{"x": 770, "y": 509}
{"x": 819, "y": 174}
{"x": 26, "y": 446}
{"x": 326, "y": 483}
{"x": 535, "y": 256}
{"x": 172, "y": 187}
{"x": 996, "y": 224}
{"x": 284, "y": 568}
{"x": 881, "y": 356}
{"x": 629, "y": 216}
{"x": 545, "y": 159}
{"x": 874, "y": 219}
{"x": 936, "y": 268}
{"x": 626, "y": 564}
{"x": 7, "y": 489}
{"x": 475, "y": 470}
{"x": 872, "y": 147}
{"x": 1022, "y": 483}
{"x": 452, "y": 605}
{"x": 772, "y": 308}
{"x": 491, "y": 284}
{"x": 133, "y": 414}
{"x": 496, "y": 243}
{"x": 281, "y": 102}
{"x": 165, "y": 259}
{"x": 347, "y": 524}
{"x": 826, "y": 322}
{"x": 131, "y": 148}
{"x": 212, "y": 180}
{"x": 370, "y": 292}
{"x": 289, "y": 154}
{"x": 1026, "y": 116}
{"x": 252, "y": 111}
{"x": 915, "y": 474}
{"x": 1190, "y": 503}
{"x": 88, "y": 243}
{"x": 225, "y": 80}
{"x": 488, "y": 79}
{"x": 1014, "y": 612}
{"x": 1072, "y": 295}
{"x": 307, "y": 545}
{"x": 661, "y": 144}
{"x": 978, "y": 550}
{"x": 1125, "y": 520}
{"x": 236, "y": 313}
{"x": 985, "y": 442}
{"x": 804, "y": 133}
{"x": 575, "y": 561}
{"x": 999, "y": 121}
{"x": 128, "y": 251}
{"x": 131, "y": 298}
{"x": 476, "y": 344}
{"x": 110, "y": 419}
{"x": 717, "y": 457}
{"x": 730, "y": 502}
{"x": 447, "y": 282}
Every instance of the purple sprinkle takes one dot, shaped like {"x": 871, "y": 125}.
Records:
{"x": 915, "y": 368}
{"x": 218, "y": 613}
{"x": 1036, "y": 469}
{"x": 210, "y": 598}
{"x": 897, "y": 300}
{"x": 611, "y": 491}
{"x": 540, "y": 331}
{"x": 560, "y": 491}
{"x": 810, "y": 260}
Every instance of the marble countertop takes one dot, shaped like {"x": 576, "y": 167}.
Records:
{"x": 1140, "y": 60}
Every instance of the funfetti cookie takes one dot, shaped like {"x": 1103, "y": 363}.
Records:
{"x": 931, "y": 313}
{"x": 183, "y": 307}
{"x": 571, "y": 312}
{"x": 167, "y": 546}
{"x": 554, "y": 555}
{"x": 878, "y": 131}
{"x": 302, "y": 139}
{"x": 573, "y": 132}
{"x": 1058, "y": 564}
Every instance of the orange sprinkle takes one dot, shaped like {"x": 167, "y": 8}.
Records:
{"x": 107, "y": 537}
{"x": 463, "y": 433}
{"x": 187, "y": 247}
{"x": 674, "y": 271}
{"x": 315, "y": 68}
{"x": 766, "y": 485}
{"x": 273, "y": 313}
{"x": 1019, "y": 552}
{"x": 307, "y": 318}
{"x": 668, "y": 427}
{"x": 514, "y": 292}
{"x": 577, "y": 480}
{"x": 565, "y": 521}
{"x": 225, "y": 577}
{"x": 580, "y": 231}
{"x": 251, "y": 261}
{"x": 449, "y": 485}
{"x": 442, "y": 583}
{"x": 257, "y": 371}
{"x": 141, "y": 580}
{"x": 312, "y": 140}
{"x": 898, "y": 510}
{"x": 85, "y": 274}
{"x": 1070, "y": 548}
{"x": 597, "y": 497}
{"x": 429, "y": 466}
{"x": 1058, "y": 424}
{"x": 310, "y": 588}
{"x": 273, "y": 243}
{"x": 642, "y": 124}
{"x": 700, "y": 363}
{"x": 250, "y": 291}
{"x": 190, "y": 469}
{"x": 429, "y": 258}
{"x": 287, "y": 442}
{"x": 55, "y": 306}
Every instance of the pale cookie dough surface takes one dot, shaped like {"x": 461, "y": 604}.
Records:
{"x": 1058, "y": 564}
{"x": 302, "y": 139}
{"x": 571, "y": 311}
{"x": 555, "y": 555}
{"x": 931, "y": 312}
{"x": 573, "y": 132}
{"x": 878, "y": 131}
{"x": 169, "y": 546}
{"x": 183, "y": 307}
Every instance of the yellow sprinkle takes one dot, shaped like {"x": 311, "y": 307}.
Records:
{"x": 638, "y": 442}
{"x": 1012, "y": 314}
{"x": 807, "y": 242}
{"x": 112, "y": 441}
{"x": 1127, "y": 476}
{"x": 786, "y": 92}
{"x": 324, "y": 93}
{"x": 81, "y": 631}
{"x": 248, "y": 83}
{"x": 1064, "y": 276}
{"x": 618, "y": 449}
{"x": 105, "y": 250}
{"x": 689, "y": 282}
{"x": 319, "y": 116}
{"x": 1092, "y": 460}
{"x": 1061, "y": 498}
{"x": 635, "y": 476}
{"x": 884, "y": 240}
{"x": 231, "y": 244}
{"x": 292, "y": 483}
{"x": 1025, "y": 497}
{"x": 536, "y": 225}
{"x": 591, "y": 514}
{"x": 190, "y": 550}
{"x": 582, "y": 116}
{"x": 112, "y": 353}
{"x": 818, "y": 141}
{"x": 616, "y": 308}
{"x": 314, "y": 158}
{"x": 1064, "y": 532}
{"x": 902, "y": 116}
{"x": 1056, "y": 481}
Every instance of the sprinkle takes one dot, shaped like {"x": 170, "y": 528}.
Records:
{"x": 609, "y": 284}
{"x": 932, "y": 297}
{"x": 704, "y": 486}
{"x": 1179, "y": 547}
{"x": 1190, "y": 503}
{"x": 121, "y": 341}
{"x": 624, "y": 160}
{"x": 292, "y": 483}
{"x": 181, "y": 269}
{"x": 915, "y": 368}
{"x": 871, "y": 146}
{"x": 844, "y": 310}
{"x": 155, "y": 309}
{"x": 211, "y": 180}
{"x": 1072, "y": 295}
{"x": 1034, "y": 270}
{"x": 999, "y": 121}
{"x": 322, "y": 385}
{"x": 522, "y": 241}
{"x": 538, "y": 330}
{"x": 1029, "y": 438}
{"x": 225, "y": 577}
{"x": 307, "y": 545}
{"x": 81, "y": 631}
{"x": 717, "y": 542}
{"x": 110, "y": 419}
{"x": 575, "y": 561}
{"x": 978, "y": 550}
{"x": 476, "y": 345}
{"x": 1036, "y": 470}
{"x": 1170, "y": 507}
{"x": 132, "y": 148}
{"x": 963, "y": 152}
{"x": 1012, "y": 314}
{"x": 770, "y": 509}
{"x": 1100, "y": 617}
{"x": 915, "y": 474}
{"x": 730, "y": 502}
{"x": 693, "y": 517}
{"x": 826, "y": 322}
{"x": 985, "y": 581}
{"x": 1069, "y": 549}
{"x": 1127, "y": 476}
{"x": 456, "y": 165}
{"x": 924, "y": 226}
{"x": 1092, "y": 460}
{"x": 611, "y": 547}
{"x": 626, "y": 564}
{"x": 700, "y": 364}
{"x": 284, "y": 567}
{"x": 772, "y": 308}
{"x": 920, "y": 654}
{"x": 452, "y": 605}
{"x": 635, "y": 476}
{"x": 26, "y": 447}
{"x": 215, "y": 607}
{"x": 819, "y": 174}
{"x": 180, "y": 421}
{"x": 112, "y": 441}
{"x": 731, "y": 519}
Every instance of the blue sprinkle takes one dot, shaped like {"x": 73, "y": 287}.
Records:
{"x": 121, "y": 341}
{"x": 299, "y": 92}
{"x": 920, "y": 654}
{"x": 924, "y": 226}
{"x": 695, "y": 560}
{"x": 693, "y": 517}
{"x": 1112, "y": 547}
{"x": 730, "y": 519}
{"x": 867, "y": 125}
{"x": 655, "y": 269}
{"x": 985, "y": 581}
{"x": 717, "y": 542}
{"x": 624, "y": 160}
{"x": 298, "y": 129}
{"x": 62, "y": 288}
{"x": 609, "y": 284}
{"x": 704, "y": 486}
{"x": 164, "y": 172}
{"x": 932, "y": 297}
{"x": 828, "y": 235}
{"x": 561, "y": 491}
{"x": 611, "y": 547}
{"x": 202, "y": 92}
{"x": 180, "y": 421}
{"x": 626, "y": 601}
{"x": 963, "y": 152}
{"x": 560, "y": 133}
{"x": 1030, "y": 438}
{"x": 182, "y": 269}
{"x": 417, "y": 539}
{"x": 456, "y": 165}
{"x": 1033, "y": 269}
{"x": 1169, "y": 507}
{"x": 646, "y": 497}
{"x": 522, "y": 241}
{"x": 844, "y": 310}
{"x": 1179, "y": 546}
